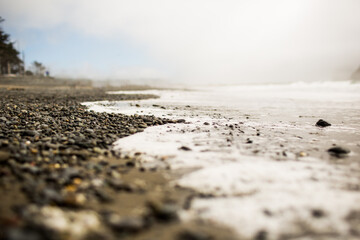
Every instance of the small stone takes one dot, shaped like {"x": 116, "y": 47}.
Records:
{"x": 30, "y": 133}
{"x": 180, "y": 121}
{"x": 302, "y": 154}
{"x": 261, "y": 235}
{"x": 73, "y": 199}
{"x": 4, "y": 156}
{"x": 77, "y": 181}
{"x": 184, "y": 148}
{"x": 88, "y": 130}
{"x": 3, "y": 119}
{"x": 206, "y": 123}
{"x": 132, "y": 130}
{"x": 322, "y": 123}
{"x": 143, "y": 125}
{"x": 338, "y": 151}
{"x": 97, "y": 150}
{"x": 317, "y": 213}
{"x": 115, "y": 174}
{"x": 164, "y": 210}
{"x": 34, "y": 150}
{"x": 193, "y": 235}
{"x": 127, "y": 224}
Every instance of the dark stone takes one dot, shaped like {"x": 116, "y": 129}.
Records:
{"x": 30, "y": 133}
{"x": 322, "y": 123}
{"x": 180, "y": 121}
{"x": 261, "y": 235}
{"x": 317, "y": 213}
{"x": 130, "y": 164}
{"x": 164, "y": 210}
{"x": 338, "y": 151}
{"x": 193, "y": 235}
{"x": 184, "y": 148}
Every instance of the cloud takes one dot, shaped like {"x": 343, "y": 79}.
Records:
{"x": 212, "y": 40}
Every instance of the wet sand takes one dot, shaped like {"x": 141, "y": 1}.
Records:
{"x": 61, "y": 178}
{"x": 261, "y": 163}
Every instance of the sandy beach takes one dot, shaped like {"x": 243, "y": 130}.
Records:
{"x": 171, "y": 164}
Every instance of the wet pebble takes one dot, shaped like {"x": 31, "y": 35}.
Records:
{"x": 322, "y": 123}
{"x": 184, "y": 148}
{"x": 125, "y": 224}
{"x": 338, "y": 152}
{"x": 4, "y": 156}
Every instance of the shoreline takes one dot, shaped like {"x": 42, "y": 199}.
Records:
{"x": 262, "y": 164}
{"x": 58, "y": 168}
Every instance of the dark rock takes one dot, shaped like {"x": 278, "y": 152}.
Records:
{"x": 317, "y": 213}
{"x": 164, "y": 210}
{"x": 184, "y": 148}
{"x": 180, "y": 121}
{"x": 261, "y": 235}
{"x": 338, "y": 151}
{"x": 206, "y": 123}
{"x": 130, "y": 164}
{"x": 193, "y": 235}
{"x": 30, "y": 133}
{"x": 322, "y": 123}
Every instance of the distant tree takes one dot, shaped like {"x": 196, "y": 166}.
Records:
{"x": 29, "y": 73}
{"x": 10, "y": 61}
{"x": 39, "y": 68}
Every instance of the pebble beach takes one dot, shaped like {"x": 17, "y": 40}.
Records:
{"x": 61, "y": 179}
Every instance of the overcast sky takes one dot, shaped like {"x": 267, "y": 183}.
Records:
{"x": 191, "y": 41}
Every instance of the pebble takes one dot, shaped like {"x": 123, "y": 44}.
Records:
{"x": 322, "y": 123}
{"x": 184, "y": 148}
{"x": 338, "y": 151}
{"x": 131, "y": 224}
{"x": 164, "y": 210}
{"x": 193, "y": 235}
{"x": 4, "y": 156}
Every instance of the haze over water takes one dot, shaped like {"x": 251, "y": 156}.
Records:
{"x": 189, "y": 42}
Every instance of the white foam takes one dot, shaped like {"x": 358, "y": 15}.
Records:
{"x": 272, "y": 184}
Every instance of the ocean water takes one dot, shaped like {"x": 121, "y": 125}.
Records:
{"x": 256, "y": 150}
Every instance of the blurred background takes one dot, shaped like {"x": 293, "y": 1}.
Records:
{"x": 185, "y": 42}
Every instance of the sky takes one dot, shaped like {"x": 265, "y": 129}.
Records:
{"x": 189, "y": 41}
